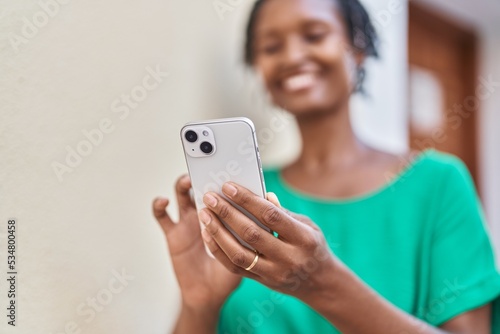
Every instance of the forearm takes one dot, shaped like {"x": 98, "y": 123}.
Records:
{"x": 191, "y": 320}
{"x": 353, "y": 307}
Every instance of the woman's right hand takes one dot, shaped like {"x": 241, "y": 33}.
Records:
{"x": 204, "y": 282}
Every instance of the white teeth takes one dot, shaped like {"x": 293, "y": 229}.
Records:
{"x": 297, "y": 82}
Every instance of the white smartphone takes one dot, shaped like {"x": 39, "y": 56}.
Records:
{"x": 222, "y": 150}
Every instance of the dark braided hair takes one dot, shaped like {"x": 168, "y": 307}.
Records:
{"x": 361, "y": 33}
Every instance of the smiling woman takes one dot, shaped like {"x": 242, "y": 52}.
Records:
{"x": 359, "y": 255}
{"x": 337, "y": 35}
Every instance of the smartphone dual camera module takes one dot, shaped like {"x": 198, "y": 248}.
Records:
{"x": 199, "y": 141}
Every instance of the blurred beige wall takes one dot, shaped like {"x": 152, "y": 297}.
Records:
{"x": 91, "y": 78}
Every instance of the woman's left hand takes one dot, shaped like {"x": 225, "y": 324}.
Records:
{"x": 298, "y": 262}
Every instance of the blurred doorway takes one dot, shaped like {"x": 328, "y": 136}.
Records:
{"x": 442, "y": 62}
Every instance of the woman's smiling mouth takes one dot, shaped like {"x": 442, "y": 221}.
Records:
{"x": 298, "y": 82}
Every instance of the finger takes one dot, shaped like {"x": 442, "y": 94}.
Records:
{"x": 271, "y": 197}
{"x": 182, "y": 187}
{"x": 160, "y": 212}
{"x": 302, "y": 218}
{"x": 244, "y": 227}
{"x": 267, "y": 213}
{"x": 220, "y": 256}
{"x": 234, "y": 252}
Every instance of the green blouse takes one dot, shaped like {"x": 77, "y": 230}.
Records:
{"x": 420, "y": 241}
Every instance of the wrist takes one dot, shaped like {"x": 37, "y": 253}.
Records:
{"x": 329, "y": 286}
{"x": 202, "y": 315}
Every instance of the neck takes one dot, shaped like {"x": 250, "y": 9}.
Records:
{"x": 328, "y": 141}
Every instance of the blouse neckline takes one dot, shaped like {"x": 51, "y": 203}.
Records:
{"x": 400, "y": 176}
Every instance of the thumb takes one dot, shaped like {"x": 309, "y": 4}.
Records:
{"x": 271, "y": 197}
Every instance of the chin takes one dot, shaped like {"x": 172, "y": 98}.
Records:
{"x": 307, "y": 107}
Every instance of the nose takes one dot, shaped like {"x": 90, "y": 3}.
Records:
{"x": 295, "y": 51}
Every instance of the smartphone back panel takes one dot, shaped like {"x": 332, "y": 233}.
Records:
{"x": 220, "y": 151}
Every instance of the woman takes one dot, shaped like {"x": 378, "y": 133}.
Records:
{"x": 363, "y": 256}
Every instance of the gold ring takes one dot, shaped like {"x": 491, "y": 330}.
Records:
{"x": 254, "y": 262}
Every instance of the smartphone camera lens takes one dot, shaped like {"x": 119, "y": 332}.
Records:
{"x": 206, "y": 147}
{"x": 191, "y": 136}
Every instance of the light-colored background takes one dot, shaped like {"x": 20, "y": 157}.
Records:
{"x": 63, "y": 80}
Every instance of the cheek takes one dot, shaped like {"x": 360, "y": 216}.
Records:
{"x": 340, "y": 65}
{"x": 342, "y": 78}
{"x": 264, "y": 69}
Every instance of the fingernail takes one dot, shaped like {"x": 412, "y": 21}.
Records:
{"x": 229, "y": 189}
{"x": 210, "y": 200}
{"x": 205, "y": 235}
{"x": 205, "y": 217}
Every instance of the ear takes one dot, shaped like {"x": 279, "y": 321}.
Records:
{"x": 359, "y": 57}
